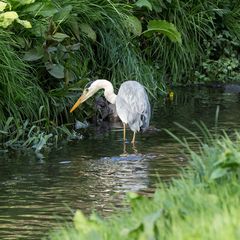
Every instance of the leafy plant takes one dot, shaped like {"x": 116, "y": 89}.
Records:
{"x": 221, "y": 62}
{"x": 7, "y": 16}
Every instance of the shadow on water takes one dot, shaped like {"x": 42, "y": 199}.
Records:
{"x": 93, "y": 173}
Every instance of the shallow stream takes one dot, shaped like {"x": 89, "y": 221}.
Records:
{"x": 35, "y": 194}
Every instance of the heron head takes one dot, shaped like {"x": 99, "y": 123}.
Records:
{"x": 89, "y": 90}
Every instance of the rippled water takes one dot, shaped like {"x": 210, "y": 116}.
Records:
{"x": 35, "y": 194}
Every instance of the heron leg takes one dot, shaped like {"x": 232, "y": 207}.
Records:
{"x": 133, "y": 139}
{"x": 124, "y": 132}
{"x": 124, "y": 154}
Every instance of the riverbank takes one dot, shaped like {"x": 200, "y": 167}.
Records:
{"x": 202, "y": 204}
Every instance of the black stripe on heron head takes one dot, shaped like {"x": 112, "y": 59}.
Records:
{"x": 88, "y": 84}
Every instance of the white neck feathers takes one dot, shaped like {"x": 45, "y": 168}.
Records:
{"x": 108, "y": 89}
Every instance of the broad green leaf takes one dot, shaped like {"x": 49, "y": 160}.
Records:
{"x": 164, "y": 27}
{"x": 63, "y": 14}
{"x": 218, "y": 173}
{"x": 144, "y": 3}
{"x": 34, "y": 8}
{"x": 87, "y": 29}
{"x": 44, "y": 9}
{"x": 24, "y": 23}
{"x": 2, "y": 5}
{"x": 48, "y": 11}
{"x": 33, "y": 55}
{"x": 59, "y": 37}
{"x": 134, "y": 25}
{"x": 7, "y": 18}
{"x": 56, "y": 70}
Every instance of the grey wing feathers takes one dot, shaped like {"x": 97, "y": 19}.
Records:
{"x": 133, "y": 106}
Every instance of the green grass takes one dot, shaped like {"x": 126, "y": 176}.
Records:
{"x": 202, "y": 204}
{"x": 20, "y": 95}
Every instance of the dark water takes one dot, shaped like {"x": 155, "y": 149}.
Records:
{"x": 35, "y": 194}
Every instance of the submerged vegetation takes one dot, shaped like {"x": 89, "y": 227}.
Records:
{"x": 51, "y": 48}
{"x": 202, "y": 204}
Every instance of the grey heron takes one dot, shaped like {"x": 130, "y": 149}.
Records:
{"x": 132, "y": 104}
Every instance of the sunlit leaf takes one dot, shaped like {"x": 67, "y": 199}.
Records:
{"x": 164, "y": 27}
{"x": 134, "y": 25}
{"x": 2, "y": 5}
{"x": 144, "y": 3}
{"x": 7, "y": 18}
{"x": 87, "y": 29}
{"x": 24, "y": 23}
{"x": 25, "y": 2}
{"x": 85, "y": 226}
{"x": 133, "y": 196}
{"x": 80, "y": 221}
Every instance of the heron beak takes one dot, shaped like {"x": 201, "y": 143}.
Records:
{"x": 78, "y": 102}
{"x": 82, "y": 99}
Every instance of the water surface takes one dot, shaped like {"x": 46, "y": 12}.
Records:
{"x": 35, "y": 194}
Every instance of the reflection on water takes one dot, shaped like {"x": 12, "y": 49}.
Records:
{"x": 93, "y": 174}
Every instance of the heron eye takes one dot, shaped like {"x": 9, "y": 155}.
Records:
{"x": 87, "y": 89}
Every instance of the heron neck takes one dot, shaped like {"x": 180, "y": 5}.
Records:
{"x": 108, "y": 90}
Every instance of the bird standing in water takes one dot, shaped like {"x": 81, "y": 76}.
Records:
{"x": 132, "y": 104}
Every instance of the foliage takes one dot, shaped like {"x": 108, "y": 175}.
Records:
{"x": 202, "y": 204}
{"x": 197, "y": 21}
{"x": 68, "y": 43}
{"x": 221, "y": 62}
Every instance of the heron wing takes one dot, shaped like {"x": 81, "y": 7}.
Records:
{"x": 133, "y": 106}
